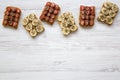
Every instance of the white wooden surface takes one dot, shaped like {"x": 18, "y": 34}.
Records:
{"x": 88, "y": 54}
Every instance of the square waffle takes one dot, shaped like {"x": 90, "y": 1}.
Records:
{"x": 108, "y": 12}
{"x": 50, "y": 12}
{"x": 33, "y": 25}
{"x": 87, "y": 16}
{"x": 67, "y": 23}
{"x": 11, "y": 16}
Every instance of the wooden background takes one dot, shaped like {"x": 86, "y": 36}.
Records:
{"x": 88, "y": 54}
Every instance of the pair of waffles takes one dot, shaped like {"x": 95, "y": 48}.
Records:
{"x": 66, "y": 20}
{"x": 34, "y": 26}
{"x": 107, "y": 14}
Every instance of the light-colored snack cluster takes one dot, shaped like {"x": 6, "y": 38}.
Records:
{"x": 108, "y": 12}
{"x": 33, "y": 25}
{"x": 67, "y": 23}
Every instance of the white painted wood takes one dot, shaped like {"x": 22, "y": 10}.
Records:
{"x": 88, "y": 54}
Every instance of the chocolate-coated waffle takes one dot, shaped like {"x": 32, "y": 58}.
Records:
{"x": 50, "y": 12}
{"x": 87, "y": 15}
{"x": 11, "y": 16}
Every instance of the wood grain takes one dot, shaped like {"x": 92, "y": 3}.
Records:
{"x": 88, "y": 54}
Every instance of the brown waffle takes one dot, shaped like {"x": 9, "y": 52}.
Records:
{"x": 108, "y": 12}
{"x": 11, "y": 16}
{"x": 87, "y": 16}
{"x": 50, "y": 12}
